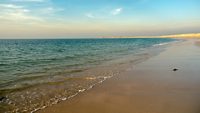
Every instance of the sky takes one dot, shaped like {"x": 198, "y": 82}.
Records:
{"x": 96, "y": 18}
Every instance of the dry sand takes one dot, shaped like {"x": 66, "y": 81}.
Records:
{"x": 149, "y": 87}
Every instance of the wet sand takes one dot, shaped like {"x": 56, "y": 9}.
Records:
{"x": 149, "y": 87}
{"x": 197, "y": 43}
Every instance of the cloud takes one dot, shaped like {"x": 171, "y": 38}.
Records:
{"x": 116, "y": 11}
{"x": 96, "y": 15}
{"x": 104, "y": 14}
{"x": 16, "y": 13}
{"x": 50, "y": 10}
{"x": 90, "y": 15}
{"x": 10, "y": 6}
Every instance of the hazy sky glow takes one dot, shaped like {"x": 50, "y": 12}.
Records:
{"x": 93, "y": 18}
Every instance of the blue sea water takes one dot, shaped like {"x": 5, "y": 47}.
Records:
{"x": 27, "y": 63}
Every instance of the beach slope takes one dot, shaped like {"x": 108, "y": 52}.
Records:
{"x": 152, "y": 86}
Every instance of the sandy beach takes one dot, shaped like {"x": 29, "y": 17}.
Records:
{"x": 148, "y": 87}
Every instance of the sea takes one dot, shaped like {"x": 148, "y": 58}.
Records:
{"x": 38, "y": 73}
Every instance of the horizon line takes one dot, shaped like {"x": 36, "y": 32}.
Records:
{"x": 185, "y": 35}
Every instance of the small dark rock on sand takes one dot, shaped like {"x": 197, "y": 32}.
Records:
{"x": 175, "y": 69}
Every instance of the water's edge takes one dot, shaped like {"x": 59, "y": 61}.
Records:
{"x": 124, "y": 66}
{"x": 78, "y": 82}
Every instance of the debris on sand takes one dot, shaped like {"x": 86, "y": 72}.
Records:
{"x": 175, "y": 69}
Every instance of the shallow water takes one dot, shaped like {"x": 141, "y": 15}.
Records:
{"x": 39, "y": 73}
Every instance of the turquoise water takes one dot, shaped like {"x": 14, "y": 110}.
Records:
{"x": 26, "y": 63}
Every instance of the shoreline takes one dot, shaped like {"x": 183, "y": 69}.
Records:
{"x": 93, "y": 100}
{"x": 42, "y": 96}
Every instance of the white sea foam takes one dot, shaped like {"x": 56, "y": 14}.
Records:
{"x": 161, "y": 44}
{"x": 81, "y": 90}
{"x": 64, "y": 99}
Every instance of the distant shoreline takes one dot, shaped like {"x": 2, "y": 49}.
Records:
{"x": 189, "y": 35}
